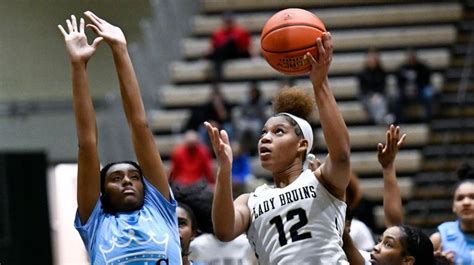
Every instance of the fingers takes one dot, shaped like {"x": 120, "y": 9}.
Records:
{"x": 96, "y": 42}
{"x": 94, "y": 18}
{"x": 74, "y": 23}
{"x": 62, "y": 30}
{"x": 402, "y": 139}
{"x": 94, "y": 28}
{"x": 321, "y": 50}
{"x": 224, "y": 137}
{"x": 69, "y": 25}
{"x": 327, "y": 42}
{"x": 81, "y": 26}
{"x": 380, "y": 148}
{"x": 311, "y": 59}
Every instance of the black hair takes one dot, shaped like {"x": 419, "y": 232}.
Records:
{"x": 465, "y": 173}
{"x": 191, "y": 215}
{"x": 199, "y": 199}
{"x": 104, "y": 197}
{"x": 417, "y": 244}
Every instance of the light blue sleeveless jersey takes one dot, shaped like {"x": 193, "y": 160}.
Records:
{"x": 146, "y": 236}
{"x": 453, "y": 239}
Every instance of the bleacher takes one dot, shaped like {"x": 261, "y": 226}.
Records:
{"x": 390, "y": 26}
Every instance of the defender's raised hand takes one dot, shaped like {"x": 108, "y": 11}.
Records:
{"x": 112, "y": 35}
{"x": 77, "y": 46}
{"x": 386, "y": 153}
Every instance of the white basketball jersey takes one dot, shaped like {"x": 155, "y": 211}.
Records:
{"x": 207, "y": 249}
{"x": 301, "y": 223}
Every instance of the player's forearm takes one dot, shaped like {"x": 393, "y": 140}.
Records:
{"x": 332, "y": 123}
{"x": 84, "y": 114}
{"x": 129, "y": 87}
{"x": 223, "y": 211}
{"x": 392, "y": 201}
{"x": 353, "y": 255}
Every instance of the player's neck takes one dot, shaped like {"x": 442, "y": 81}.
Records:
{"x": 287, "y": 176}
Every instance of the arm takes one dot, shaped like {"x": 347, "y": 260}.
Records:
{"x": 88, "y": 179}
{"x": 352, "y": 252}
{"x": 230, "y": 219}
{"x": 336, "y": 170}
{"x": 436, "y": 240}
{"x": 143, "y": 141}
{"x": 392, "y": 201}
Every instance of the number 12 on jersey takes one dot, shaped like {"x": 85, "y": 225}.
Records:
{"x": 295, "y": 236}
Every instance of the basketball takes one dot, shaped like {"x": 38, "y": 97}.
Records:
{"x": 287, "y": 36}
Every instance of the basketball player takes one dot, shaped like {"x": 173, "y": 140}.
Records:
{"x": 134, "y": 221}
{"x": 299, "y": 220}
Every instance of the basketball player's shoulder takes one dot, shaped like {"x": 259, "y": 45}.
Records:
{"x": 261, "y": 189}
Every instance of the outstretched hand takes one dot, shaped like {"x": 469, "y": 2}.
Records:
{"x": 76, "y": 41}
{"x": 386, "y": 153}
{"x": 320, "y": 65}
{"x": 111, "y": 34}
{"x": 220, "y": 145}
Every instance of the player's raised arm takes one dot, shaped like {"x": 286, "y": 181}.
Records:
{"x": 88, "y": 180}
{"x": 142, "y": 136}
{"x": 229, "y": 218}
{"x": 392, "y": 201}
{"x": 336, "y": 169}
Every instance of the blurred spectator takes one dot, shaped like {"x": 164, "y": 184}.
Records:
{"x": 218, "y": 111}
{"x": 191, "y": 161}
{"x": 241, "y": 169}
{"x": 414, "y": 86}
{"x": 230, "y": 41}
{"x": 372, "y": 89}
{"x": 250, "y": 122}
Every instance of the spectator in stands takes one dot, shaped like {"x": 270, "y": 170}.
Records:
{"x": 372, "y": 89}
{"x": 230, "y": 41}
{"x": 191, "y": 161}
{"x": 414, "y": 87}
{"x": 218, "y": 111}
{"x": 455, "y": 237}
{"x": 251, "y": 119}
{"x": 124, "y": 203}
{"x": 205, "y": 248}
{"x": 241, "y": 169}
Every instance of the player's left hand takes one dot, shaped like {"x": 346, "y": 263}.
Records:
{"x": 113, "y": 35}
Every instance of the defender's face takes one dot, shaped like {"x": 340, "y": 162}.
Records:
{"x": 463, "y": 202}
{"x": 124, "y": 187}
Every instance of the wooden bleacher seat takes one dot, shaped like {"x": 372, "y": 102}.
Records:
{"x": 362, "y": 137}
{"x": 362, "y": 163}
{"x": 258, "y": 68}
{"x": 193, "y": 95}
{"x": 166, "y": 143}
{"x": 174, "y": 120}
{"x": 341, "y": 17}
{"x": 353, "y": 39}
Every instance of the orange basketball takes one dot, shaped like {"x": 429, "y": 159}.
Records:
{"x": 287, "y": 36}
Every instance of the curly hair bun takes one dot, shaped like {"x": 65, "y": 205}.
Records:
{"x": 294, "y": 100}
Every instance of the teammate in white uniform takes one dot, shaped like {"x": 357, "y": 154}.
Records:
{"x": 300, "y": 220}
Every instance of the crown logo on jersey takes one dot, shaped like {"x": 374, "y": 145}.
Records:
{"x": 119, "y": 250}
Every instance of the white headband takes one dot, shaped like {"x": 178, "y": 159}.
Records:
{"x": 305, "y": 129}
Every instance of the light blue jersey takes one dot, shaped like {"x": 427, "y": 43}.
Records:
{"x": 453, "y": 239}
{"x": 146, "y": 236}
